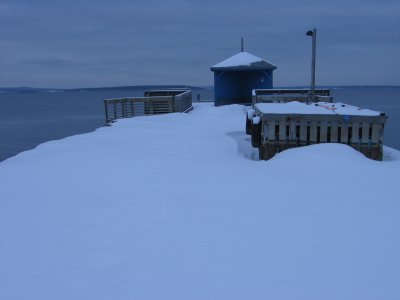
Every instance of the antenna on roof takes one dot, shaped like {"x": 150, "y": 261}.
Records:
{"x": 242, "y": 44}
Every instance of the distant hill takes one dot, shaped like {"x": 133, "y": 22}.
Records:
{"x": 133, "y": 87}
{"x": 23, "y": 89}
{"x": 149, "y": 87}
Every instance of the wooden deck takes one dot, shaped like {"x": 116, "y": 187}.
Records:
{"x": 153, "y": 102}
{"x": 274, "y": 132}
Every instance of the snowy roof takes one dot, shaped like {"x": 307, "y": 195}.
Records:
{"x": 243, "y": 60}
{"x": 320, "y": 108}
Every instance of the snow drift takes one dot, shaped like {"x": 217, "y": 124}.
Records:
{"x": 178, "y": 207}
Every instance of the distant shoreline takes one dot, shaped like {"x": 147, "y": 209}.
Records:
{"x": 143, "y": 87}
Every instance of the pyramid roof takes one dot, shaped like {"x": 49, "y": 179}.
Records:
{"x": 243, "y": 61}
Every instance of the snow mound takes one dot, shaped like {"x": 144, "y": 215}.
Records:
{"x": 319, "y": 153}
{"x": 174, "y": 207}
{"x": 320, "y": 108}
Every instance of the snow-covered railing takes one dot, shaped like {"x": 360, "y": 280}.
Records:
{"x": 278, "y": 126}
{"x": 154, "y": 102}
{"x": 183, "y": 102}
{"x": 287, "y": 95}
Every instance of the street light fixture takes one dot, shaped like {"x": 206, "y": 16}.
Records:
{"x": 313, "y": 34}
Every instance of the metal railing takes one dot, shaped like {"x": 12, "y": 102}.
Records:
{"x": 154, "y": 102}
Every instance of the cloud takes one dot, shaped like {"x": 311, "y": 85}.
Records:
{"x": 176, "y": 41}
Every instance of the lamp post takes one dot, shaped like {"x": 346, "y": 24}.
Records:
{"x": 313, "y": 34}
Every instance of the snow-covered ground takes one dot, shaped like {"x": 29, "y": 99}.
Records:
{"x": 178, "y": 207}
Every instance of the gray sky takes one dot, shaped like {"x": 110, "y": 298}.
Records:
{"x": 77, "y": 43}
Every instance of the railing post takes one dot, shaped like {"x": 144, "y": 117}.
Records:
{"x": 123, "y": 108}
{"x": 106, "y": 110}
{"x": 115, "y": 110}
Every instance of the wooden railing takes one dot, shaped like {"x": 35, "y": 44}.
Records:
{"x": 287, "y": 95}
{"x": 274, "y": 133}
{"x": 183, "y": 102}
{"x": 154, "y": 102}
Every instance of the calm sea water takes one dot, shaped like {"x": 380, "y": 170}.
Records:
{"x": 386, "y": 100}
{"x": 29, "y": 119}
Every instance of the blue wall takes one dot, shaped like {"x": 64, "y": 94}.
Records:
{"x": 236, "y": 86}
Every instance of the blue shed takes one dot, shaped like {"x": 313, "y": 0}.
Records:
{"x": 237, "y": 76}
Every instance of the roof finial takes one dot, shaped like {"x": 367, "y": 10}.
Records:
{"x": 242, "y": 44}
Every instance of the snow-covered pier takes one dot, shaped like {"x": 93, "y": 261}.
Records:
{"x": 286, "y": 119}
{"x": 175, "y": 211}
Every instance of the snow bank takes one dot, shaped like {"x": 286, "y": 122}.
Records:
{"x": 320, "y": 108}
{"x": 177, "y": 207}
